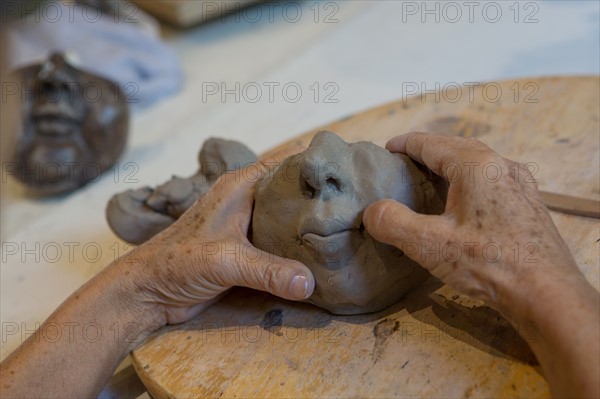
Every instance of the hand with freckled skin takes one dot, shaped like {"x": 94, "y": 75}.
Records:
{"x": 170, "y": 279}
{"x": 207, "y": 251}
{"x": 497, "y": 242}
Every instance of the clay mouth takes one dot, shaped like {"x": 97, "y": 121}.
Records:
{"x": 56, "y": 125}
{"x": 329, "y": 242}
{"x": 59, "y": 111}
{"x": 332, "y": 251}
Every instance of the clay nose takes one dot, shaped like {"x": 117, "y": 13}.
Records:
{"x": 56, "y": 82}
{"x": 321, "y": 173}
{"x": 57, "y": 70}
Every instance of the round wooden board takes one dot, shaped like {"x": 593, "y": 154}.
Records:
{"x": 435, "y": 342}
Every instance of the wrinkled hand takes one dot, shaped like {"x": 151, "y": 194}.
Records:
{"x": 185, "y": 268}
{"x": 495, "y": 234}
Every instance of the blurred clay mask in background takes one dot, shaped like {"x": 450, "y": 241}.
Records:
{"x": 310, "y": 209}
{"x": 74, "y": 127}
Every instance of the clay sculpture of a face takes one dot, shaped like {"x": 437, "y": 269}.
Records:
{"x": 310, "y": 209}
{"x": 74, "y": 127}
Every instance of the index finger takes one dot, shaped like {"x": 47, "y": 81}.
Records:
{"x": 238, "y": 185}
{"x": 435, "y": 151}
{"x": 236, "y": 181}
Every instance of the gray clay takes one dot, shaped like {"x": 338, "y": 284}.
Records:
{"x": 70, "y": 136}
{"x": 310, "y": 208}
{"x": 138, "y": 215}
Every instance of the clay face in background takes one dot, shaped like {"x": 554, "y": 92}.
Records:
{"x": 310, "y": 209}
{"x": 74, "y": 127}
{"x": 137, "y": 215}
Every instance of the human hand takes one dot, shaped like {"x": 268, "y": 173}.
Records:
{"x": 169, "y": 279}
{"x": 495, "y": 235}
{"x": 185, "y": 268}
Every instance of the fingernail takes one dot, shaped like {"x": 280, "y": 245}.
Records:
{"x": 299, "y": 288}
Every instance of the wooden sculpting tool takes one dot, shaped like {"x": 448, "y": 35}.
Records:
{"x": 571, "y": 205}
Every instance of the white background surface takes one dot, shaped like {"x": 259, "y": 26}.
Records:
{"x": 368, "y": 53}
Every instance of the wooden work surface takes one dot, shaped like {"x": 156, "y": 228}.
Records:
{"x": 436, "y": 342}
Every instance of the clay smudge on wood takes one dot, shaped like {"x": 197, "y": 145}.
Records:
{"x": 382, "y": 332}
{"x": 273, "y": 321}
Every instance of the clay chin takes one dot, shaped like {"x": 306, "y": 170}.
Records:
{"x": 74, "y": 127}
{"x": 310, "y": 209}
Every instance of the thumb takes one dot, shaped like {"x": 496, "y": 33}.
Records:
{"x": 394, "y": 223}
{"x": 260, "y": 270}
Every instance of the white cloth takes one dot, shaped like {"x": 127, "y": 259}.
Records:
{"x": 128, "y": 52}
